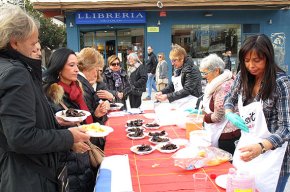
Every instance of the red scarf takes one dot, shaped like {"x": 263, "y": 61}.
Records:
{"x": 76, "y": 95}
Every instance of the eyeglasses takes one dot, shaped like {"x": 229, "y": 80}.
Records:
{"x": 174, "y": 60}
{"x": 204, "y": 73}
{"x": 115, "y": 64}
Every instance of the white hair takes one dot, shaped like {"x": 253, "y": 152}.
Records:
{"x": 135, "y": 57}
{"x": 14, "y": 22}
{"x": 212, "y": 62}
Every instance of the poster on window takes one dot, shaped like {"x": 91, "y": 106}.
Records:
{"x": 204, "y": 40}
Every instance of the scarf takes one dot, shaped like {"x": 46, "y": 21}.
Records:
{"x": 117, "y": 78}
{"x": 132, "y": 68}
{"x": 76, "y": 95}
{"x": 213, "y": 85}
{"x": 177, "y": 72}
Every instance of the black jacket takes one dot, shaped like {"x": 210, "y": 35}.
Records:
{"x": 138, "y": 80}
{"x": 191, "y": 82}
{"x": 28, "y": 135}
{"x": 151, "y": 63}
{"x": 80, "y": 173}
{"x": 91, "y": 99}
{"x": 110, "y": 82}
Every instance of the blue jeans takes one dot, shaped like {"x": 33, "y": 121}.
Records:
{"x": 282, "y": 183}
{"x": 150, "y": 84}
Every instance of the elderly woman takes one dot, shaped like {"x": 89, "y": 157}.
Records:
{"x": 161, "y": 72}
{"x": 30, "y": 141}
{"x": 137, "y": 76}
{"x": 185, "y": 87}
{"x": 90, "y": 61}
{"x": 219, "y": 81}
{"x": 64, "y": 90}
{"x": 117, "y": 80}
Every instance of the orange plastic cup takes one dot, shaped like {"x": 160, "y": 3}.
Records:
{"x": 193, "y": 123}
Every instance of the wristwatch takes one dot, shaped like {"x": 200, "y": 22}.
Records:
{"x": 263, "y": 148}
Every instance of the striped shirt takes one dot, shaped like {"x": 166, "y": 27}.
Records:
{"x": 276, "y": 110}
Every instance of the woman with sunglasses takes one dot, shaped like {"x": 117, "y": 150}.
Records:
{"x": 161, "y": 72}
{"x": 185, "y": 87}
{"x": 223, "y": 133}
{"x": 117, "y": 80}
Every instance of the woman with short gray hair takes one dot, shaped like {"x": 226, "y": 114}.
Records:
{"x": 30, "y": 142}
{"x": 137, "y": 77}
{"x": 223, "y": 133}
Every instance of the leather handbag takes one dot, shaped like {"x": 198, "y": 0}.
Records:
{"x": 96, "y": 155}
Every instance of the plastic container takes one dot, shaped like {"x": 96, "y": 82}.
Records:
{"x": 241, "y": 181}
{"x": 192, "y": 124}
{"x": 199, "y": 138}
{"x": 231, "y": 174}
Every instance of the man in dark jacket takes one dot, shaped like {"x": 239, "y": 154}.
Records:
{"x": 151, "y": 65}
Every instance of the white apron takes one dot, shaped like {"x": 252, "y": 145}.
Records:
{"x": 183, "y": 103}
{"x": 214, "y": 129}
{"x": 266, "y": 167}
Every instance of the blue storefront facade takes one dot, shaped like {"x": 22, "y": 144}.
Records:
{"x": 200, "y": 31}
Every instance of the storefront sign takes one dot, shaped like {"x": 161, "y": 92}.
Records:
{"x": 152, "y": 29}
{"x": 110, "y": 17}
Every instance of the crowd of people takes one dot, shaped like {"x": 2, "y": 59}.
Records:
{"x": 251, "y": 106}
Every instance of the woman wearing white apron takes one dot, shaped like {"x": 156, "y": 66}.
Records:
{"x": 261, "y": 91}
{"x": 223, "y": 134}
{"x": 185, "y": 87}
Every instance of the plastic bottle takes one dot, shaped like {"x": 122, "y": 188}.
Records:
{"x": 243, "y": 181}
{"x": 231, "y": 174}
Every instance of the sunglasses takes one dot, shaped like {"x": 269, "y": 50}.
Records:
{"x": 115, "y": 64}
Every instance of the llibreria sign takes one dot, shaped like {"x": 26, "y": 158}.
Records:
{"x": 110, "y": 17}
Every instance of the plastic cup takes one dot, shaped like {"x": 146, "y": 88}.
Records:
{"x": 200, "y": 182}
{"x": 200, "y": 138}
{"x": 192, "y": 124}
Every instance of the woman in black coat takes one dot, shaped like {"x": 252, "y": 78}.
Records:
{"x": 29, "y": 141}
{"x": 138, "y": 77}
{"x": 117, "y": 80}
{"x": 187, "y": 75}
{"x": 61, "y": 86}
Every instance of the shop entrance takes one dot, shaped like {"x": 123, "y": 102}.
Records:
{"x": 120, "y": 42}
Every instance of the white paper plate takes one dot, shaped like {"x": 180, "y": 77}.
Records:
{"x": 149, "y": 115}
{"x": 158, "y": 132}
{"x": 159, "y": 146}
{"x": 72, "y": 119}
{"x": 221, "y": 181}
{"x": 128, "y": 129}
{"x": 134, "y": 120}
{"x": 150, "y": 140}
{"x": 145, "y": 126}
{"x": 136, "y": 138}
{"x": 118, "y": 106}
{"x": 180, "y": 141}
{"x": 134, "y": 149}
{"x": 135, "y": 111}
{"x": 106, "y": 131}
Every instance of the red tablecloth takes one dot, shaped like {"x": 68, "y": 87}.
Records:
{"x": 156, "y": 171}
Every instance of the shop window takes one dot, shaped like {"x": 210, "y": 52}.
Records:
{"x": 202, "y": 40}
